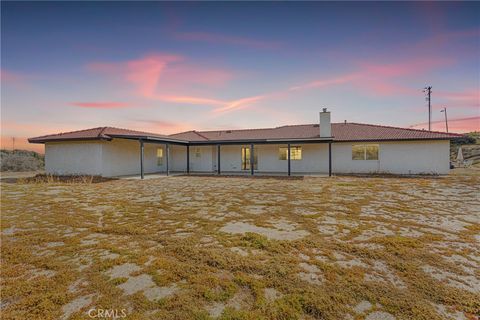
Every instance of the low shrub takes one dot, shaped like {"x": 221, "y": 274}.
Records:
{"x": 21, "y": 160}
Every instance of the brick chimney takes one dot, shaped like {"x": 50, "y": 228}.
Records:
{"x": 325, "y": 125}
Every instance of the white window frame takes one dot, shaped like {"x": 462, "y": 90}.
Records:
{"x": 364, "y": 146}
{"x": 160, "y": 156}
{"x": 282, "y": 150}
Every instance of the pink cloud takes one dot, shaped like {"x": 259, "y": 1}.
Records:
{"x": 21, "y": 131}
{"x": 326, "y": 82}
{"x": 14, "y": 78}
{"x": 167, "y": 78}
{"x": 10, "y": 76}
{"x": 238, "y": 104}
{"x": 100, "y": 105}
{"x": 373, "y": 78}
{"x": 442, "y": 39}
{"x": 21, "y": 143}
{"x": 145, "y": 72}
{"x": 464, "y": 99}
{"x": 403, "y": 68}
{"x": 192, "y": 100}
{"x": 160, "y": 126}
{"x": 226, "y": 39}
{"x": 461, "y": 125}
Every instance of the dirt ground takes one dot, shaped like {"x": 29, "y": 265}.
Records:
{"x": 238, "y": 248}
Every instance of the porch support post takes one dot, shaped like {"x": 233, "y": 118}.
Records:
{"x": 141, "y": 158}
{"x": 329, "y": 159}
{"x": 252, "y": 163}
{"x": 167, "y": 147}
{"x": 218, "y": 159}
{"x": 188, "y": 159}
{"x": 288, "y": 159}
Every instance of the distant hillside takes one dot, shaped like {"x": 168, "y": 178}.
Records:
{"x": 21, "y": 160}
{"x": 470, "y": 148}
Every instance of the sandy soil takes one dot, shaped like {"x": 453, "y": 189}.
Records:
{"x": 236, "y": 248}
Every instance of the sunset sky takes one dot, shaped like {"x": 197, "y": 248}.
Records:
{"x": 171, "y": 67}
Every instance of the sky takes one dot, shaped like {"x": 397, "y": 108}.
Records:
{"x": 168, "y": 67}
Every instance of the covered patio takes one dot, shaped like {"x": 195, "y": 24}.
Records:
{"x": 236, "y": 158}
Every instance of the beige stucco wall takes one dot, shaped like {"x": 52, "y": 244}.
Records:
{"x": 314, "y": 158}
{"x": 409, "y": 157}
{"x": 122, "y": 157}
{"x": 202, "y": 158}
{"x": 73, "y": 158}
{"x": 107, "y": 158}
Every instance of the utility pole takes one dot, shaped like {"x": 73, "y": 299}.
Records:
{"x": 444, "y": 110}
{"x": 428, "y": 90}
{"x": 13, "y": 143}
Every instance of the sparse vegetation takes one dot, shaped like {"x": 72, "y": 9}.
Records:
{"x": 21, "y": 160}
{"x": 48, "y": 178}
{"x": 405, "y": 248}
{"x": 470, "y": 144}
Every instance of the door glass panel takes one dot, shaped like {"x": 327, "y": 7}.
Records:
{"x": 246, "y": 159}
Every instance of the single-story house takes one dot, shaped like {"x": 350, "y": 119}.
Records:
{"x": 321, "y": 148}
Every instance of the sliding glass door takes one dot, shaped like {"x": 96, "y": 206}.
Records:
{"x": 246, "y": 159}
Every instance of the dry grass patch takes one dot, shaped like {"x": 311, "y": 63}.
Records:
{"x": 237, "y": 248}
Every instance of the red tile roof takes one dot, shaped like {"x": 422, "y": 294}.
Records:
{"x": 100, "y": 133}
{"x": 340, "y": 132}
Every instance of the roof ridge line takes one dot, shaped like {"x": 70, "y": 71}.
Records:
{"x": 138, "y": 131}
{"x": 401, "y": 128}
{"x": 201, "y": 135}
{"x": 68, "y": 132}
{"x": 100, "y": 134}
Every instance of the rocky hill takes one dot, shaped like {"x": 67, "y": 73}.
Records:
{"x": 21, "y": 160}
{"x": 470, "y": 148}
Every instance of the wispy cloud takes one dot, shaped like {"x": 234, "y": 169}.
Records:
{"x": 466, "y": 124}
{"x": 100, "y": 105}
{"x": 166, "y": 77}
{"x": 238, "y": 104}
{"x": 192, "y": 100}
{"x": 172, "y": 78}
{"x": 335, "y": 80}
{"x": 217, "y": 38}
{"x": 469, "y": 98}
{"x": 10, "y": 76}
{"x": 403, "y": 68}
{"x": 160, "y": 126}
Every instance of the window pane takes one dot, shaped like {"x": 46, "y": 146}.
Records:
{"x": 358, "y": 152}
{"x": 245, "y": 158}
{"x": 372, "y": 152}
{"x": 282, "y": 153}
{"x": 159, "y": 156}
{"x": 296, "y": 153}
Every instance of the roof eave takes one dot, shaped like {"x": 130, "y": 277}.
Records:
{"x": 148, "y": 138}
{"x": 398, "y": 139}
{"x": 264, "y": 141}
{"x": 37, "y": 140}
